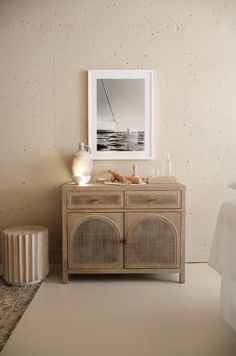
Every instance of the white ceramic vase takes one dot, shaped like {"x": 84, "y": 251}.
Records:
{"x": 82, "y": 164}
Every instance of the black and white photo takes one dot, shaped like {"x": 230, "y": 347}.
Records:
{"x": 120, "y": 114}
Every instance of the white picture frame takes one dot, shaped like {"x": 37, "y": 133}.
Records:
{"x": 119, "y": 114}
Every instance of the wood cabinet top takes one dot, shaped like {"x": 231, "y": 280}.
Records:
{"x": 126, "y": 187}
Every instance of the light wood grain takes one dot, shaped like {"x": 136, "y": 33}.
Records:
{"x": 137, "y": 229}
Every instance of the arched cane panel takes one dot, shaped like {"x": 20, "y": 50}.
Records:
{"x": 152, "y": 242}
{"x": 95, "y": 243}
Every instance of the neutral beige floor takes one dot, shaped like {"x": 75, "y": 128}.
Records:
{"x": 125, "y": 316}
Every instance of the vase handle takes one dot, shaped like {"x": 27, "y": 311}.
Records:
{"x": 88, "y": 148}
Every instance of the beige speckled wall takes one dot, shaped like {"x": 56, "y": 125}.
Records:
{"x": 47, "y": 47}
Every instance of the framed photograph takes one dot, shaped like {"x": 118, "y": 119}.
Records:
{"x": 119, "y": 109}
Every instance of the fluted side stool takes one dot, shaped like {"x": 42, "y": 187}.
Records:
{"x": 25, "y": 254}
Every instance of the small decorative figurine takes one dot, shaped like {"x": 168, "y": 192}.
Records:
{"x": 134, "y": 179}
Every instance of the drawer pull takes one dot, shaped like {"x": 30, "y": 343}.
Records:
{"x": 122, "y": 240}
{"x": 152, "y": 200}
{"x": 94, "y": 200}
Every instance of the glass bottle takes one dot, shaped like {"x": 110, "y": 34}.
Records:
{"x": 167, "y": 169}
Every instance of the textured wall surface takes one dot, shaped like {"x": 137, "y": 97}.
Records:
{"x": 47, "y": 48}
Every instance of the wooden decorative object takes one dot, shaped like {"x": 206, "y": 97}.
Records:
{"x": 134, "y": 179}
{"x": 130, "y": 228}
{"x": 117, "y": 177}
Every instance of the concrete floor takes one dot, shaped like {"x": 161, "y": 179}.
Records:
{"x": 135, "y": 315}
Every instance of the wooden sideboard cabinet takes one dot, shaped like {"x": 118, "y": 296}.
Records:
{"x": 123, "y": 229}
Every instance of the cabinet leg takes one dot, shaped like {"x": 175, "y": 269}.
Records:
{"x": 65, "y": 277}
{"x": 182, "y": 277}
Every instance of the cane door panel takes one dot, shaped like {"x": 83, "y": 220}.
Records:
{"x": 95, "y": 240}
{"x": 152, "y": 240}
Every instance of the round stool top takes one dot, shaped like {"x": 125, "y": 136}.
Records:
{"x": 25, "y": 229}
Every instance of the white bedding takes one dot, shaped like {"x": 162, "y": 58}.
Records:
{"x": 223, "y": 259}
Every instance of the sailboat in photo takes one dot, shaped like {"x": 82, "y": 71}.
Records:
{"x": 106, "y": 121}
{"x": 109, "y": 135}
{"x": 105, "y": 125}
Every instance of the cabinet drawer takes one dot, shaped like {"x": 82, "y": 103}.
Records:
{"x": 153, "y": 199}
{"x": 87, "y": 200}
